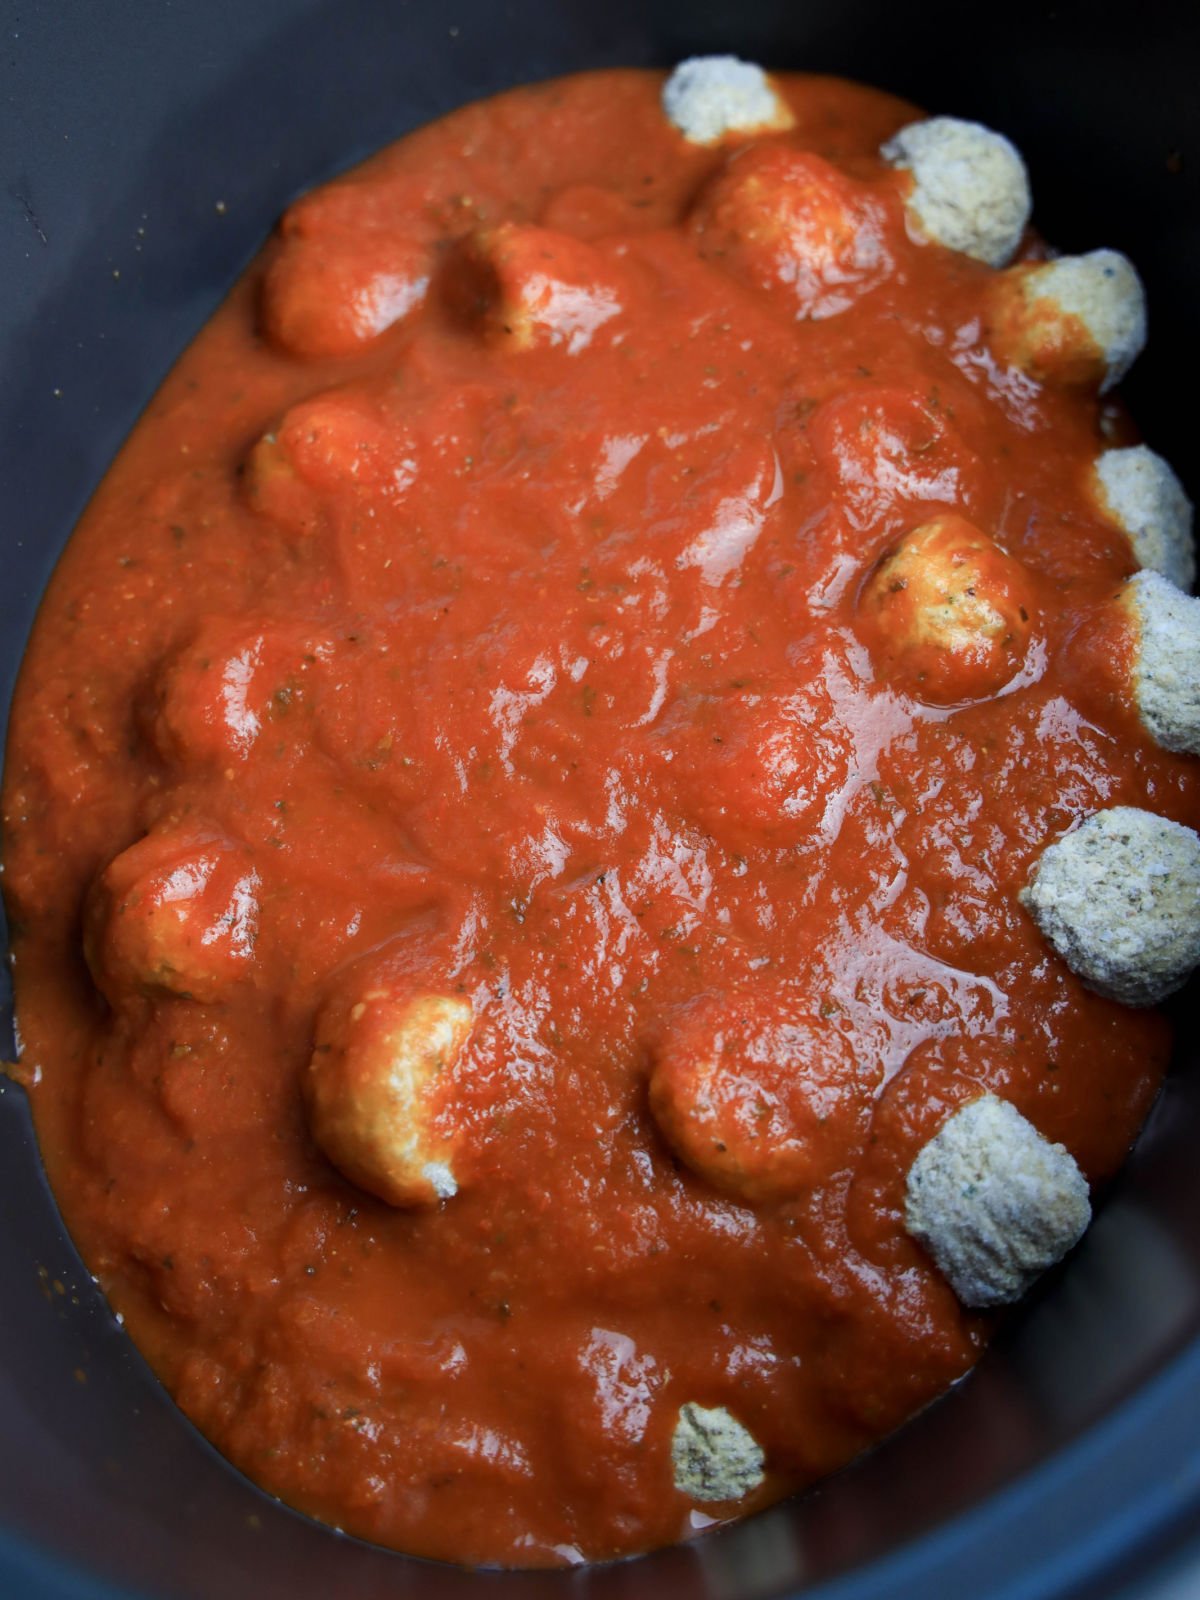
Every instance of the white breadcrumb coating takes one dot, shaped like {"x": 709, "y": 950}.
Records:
{"x": 707, "y": 97}
{"x": 970, "y": 188}
{"x": 994, "y": 1202}
{"x": 1166, "y": 663}
{"x": 1103, "y": 291}
{"x": 714, "y": 1456}
{"x": 1119, "y": 900}
{"x": 1142, "y": 495}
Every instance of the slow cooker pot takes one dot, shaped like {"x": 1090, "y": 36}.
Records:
{"x": 146, "y": 152}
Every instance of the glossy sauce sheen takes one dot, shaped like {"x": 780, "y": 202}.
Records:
{"x": 540, "y": 676}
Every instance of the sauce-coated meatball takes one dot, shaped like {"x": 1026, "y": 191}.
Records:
{"x": 788, "y": 222}
{"x": 376, "y": 1084}
{"x": 758, "y": 1098}
{"x": 948, "y": 614}
{"x": 175, "y": 914}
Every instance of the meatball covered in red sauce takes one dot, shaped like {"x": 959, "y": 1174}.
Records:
{"x": 533, "y": 288}
{"x": 948, "y": 614}
{"x": 762, "y": 767}
{"x": 230, "y": 686}
{"x": 759, "y": 1099}
{"x": 792, "y": 224}
{"x": 348, "y": 270}
{"x": 896, "y": 446}
{"x": 175, "y": 914}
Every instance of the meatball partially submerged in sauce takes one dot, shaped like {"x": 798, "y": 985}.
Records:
{"x": 969, "y": 188}
{"x": 948, "y": 614}
{"x": 378, "y": 1078}
{"x": 994, "y": 1202}
{"x": 1076, "y": 320}
{"x": 709, "y": 98}
{"x": 175, "y": 914}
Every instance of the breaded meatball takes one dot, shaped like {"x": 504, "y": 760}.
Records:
{"x": 709, "y": 97}
{"x": 788, "y": 222}
{"x": 1166, "y": 660}
{"x": 969, "y": 191}
{"x": 175, "y": 914}
{"x": 947, "y": 613}
{"x": 376, "y": 1084}
{"x": 1119, "y": 900}
{"x": 536, "y": 289}
{"x": 758, "y": 1098}
{"x": 714, "y": 1456}
{"x": 994, "y": 1202}
{"x": 892, "y": 443}
{"x": 1077, "y": 320}
{"x": 1139, "y": 492}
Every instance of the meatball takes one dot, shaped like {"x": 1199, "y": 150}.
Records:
{"x": 994, "y": 1202}
{"x": 537, "y": 289}
{"x": 708, "y": 97}
{"x": 324, "y": 448}
{"x": 889, "y": 444}
{"x": 714, "y": 1456}
{"x": 348, "y": 270}
{"x": 376, "y": 1084}
{"x": 1166, "y": 660}
{"x": 758, "y": 770}
{"x": 1077, "y": 320}
{"x": 1139, "y": 492}
{"x": 175, "y": 914}
{"x": 216, "y": 694}
{"x": 947, "y": 613}
{"x": 1119, "y": 900}
{"x": 759, "y": 1099}
{"x": 969, "y": 188}
{"x": 789, "y": 223}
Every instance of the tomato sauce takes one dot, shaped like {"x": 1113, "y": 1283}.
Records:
{"x": 410, "y": 648}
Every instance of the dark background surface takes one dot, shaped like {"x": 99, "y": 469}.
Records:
{"x": 146, "y": 146}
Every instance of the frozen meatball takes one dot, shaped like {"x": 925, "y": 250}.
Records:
{"x": 969, "y": 191}
{"x": 947, "y": 613}
{"x": 1119, "y": 900}
{"x": 714, "y": 1456}
{"x": 709, "y": 97}
{"x": 376, "y": 1084}
{"x": 1139, "y": 492}
{"x": 175, "y": 914}
{"x": 1166, "y": 660}
{"x": 1077, "y": 320}
{"x": 788, "y": 222}
{"x": 994, "y": 1202}
{"x": 757, "y": 1098}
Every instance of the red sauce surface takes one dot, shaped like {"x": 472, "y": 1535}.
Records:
{"x": 548, "y": 675}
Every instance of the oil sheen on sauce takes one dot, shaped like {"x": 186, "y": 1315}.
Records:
{"x": 404, "y": 646}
